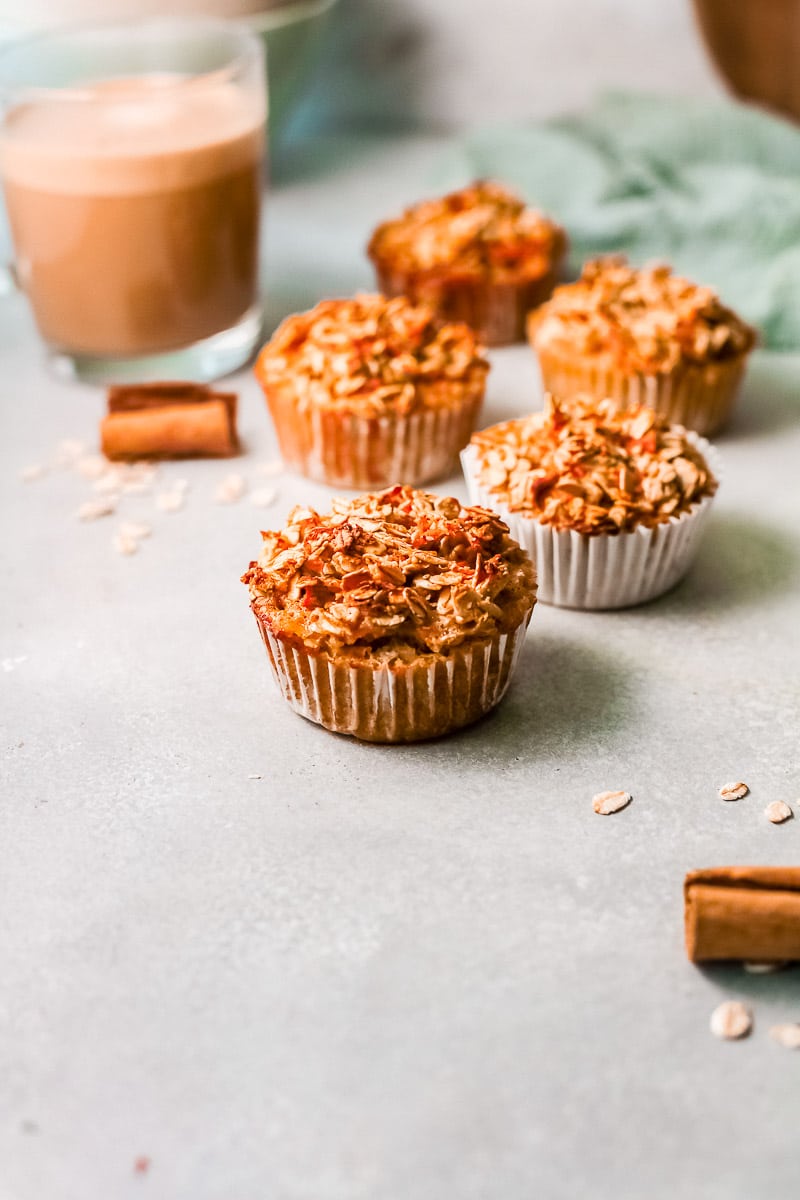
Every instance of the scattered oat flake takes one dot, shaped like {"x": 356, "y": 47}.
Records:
{"x": 232, "y": 488}
{"x": 33, "y": 472}
{"x": 135, "y": 529}
{"x": 263, "y": 497}
{"x": 764, "y": 968}
{"x": 91, "y": 510}
{"x": 125, "y": 545}
{"x": 9, "y": 664}
{"x": 180, "y": 485}
{"x": 170, "y": 501}
{"x": 92, "y": 466}
{"x": 778, "y": 812}
{"x": 606, "y": 803}
{"x": 109, "y": 481}
{"x": 731, "y": 1020}
{"x": 733, "y": 791}
{"x": 787, "y": 1035}
{"x": 68, "y": 451}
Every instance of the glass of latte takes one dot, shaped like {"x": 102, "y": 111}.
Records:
{"x": 132, "y": 160}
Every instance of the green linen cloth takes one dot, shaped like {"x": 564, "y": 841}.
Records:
{"x": 711, "y": 187}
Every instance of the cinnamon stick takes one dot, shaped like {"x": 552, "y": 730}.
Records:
{"x": 750, "y": 913}
{"x": 168, "y": 420}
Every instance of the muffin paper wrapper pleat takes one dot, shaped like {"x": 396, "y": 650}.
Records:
{"x": 346, "y": 450}
{"x": 698, "y": 397}
{"x": 604, "y": 570}
{"x": 394, "y": 703}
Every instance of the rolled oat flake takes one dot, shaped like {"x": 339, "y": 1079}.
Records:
{"x": 606, "y": 803}
{"x": 787, "y": 1035}
{"x": 778, "y": 812}
{"x": 731, "y": 1020}
{"x": 733, "y": 791}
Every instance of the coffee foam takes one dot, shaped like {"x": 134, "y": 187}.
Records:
{"x": 148, "y": 134}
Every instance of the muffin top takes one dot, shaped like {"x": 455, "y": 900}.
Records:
{"x": 483, "y": 229}
{"x": 645, "y": 320}
{"x": 370, "y": 355}
{"x": 390, "y": 576}
{"x": 592, "y": 469}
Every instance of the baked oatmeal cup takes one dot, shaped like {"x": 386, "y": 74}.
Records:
{"x": 643, "y": 336}
{"x": 396, "y": 616}
{"x": 610, "y": 505}
{"x": 477, "y": 255}
{"x": 367, "y": 391}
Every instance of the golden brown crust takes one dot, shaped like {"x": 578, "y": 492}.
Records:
{"x": 645, "y": 320}
{"x": 369, "y": 356}
{"x": 591, "y": 468}
{"x": 483, "y": 230}
{"x": 386, "y": 578}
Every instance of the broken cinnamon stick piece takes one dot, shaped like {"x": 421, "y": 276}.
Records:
{"x": 168, "y": 420}
{"x": 743, "y": 913}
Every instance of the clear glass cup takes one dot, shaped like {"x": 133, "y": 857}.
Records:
{"x": 131, "y": 158}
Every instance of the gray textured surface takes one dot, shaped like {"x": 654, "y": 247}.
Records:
{"x": 376, "y": 973}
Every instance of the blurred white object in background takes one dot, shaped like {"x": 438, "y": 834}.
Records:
{"x": 45, "y": 14}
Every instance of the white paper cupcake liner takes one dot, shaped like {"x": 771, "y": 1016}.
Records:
{"x": 700, "y": 398}
{"x": 345, "y": 450}
{"x": 604, "y": 570}
{"x": 405, "y": 703}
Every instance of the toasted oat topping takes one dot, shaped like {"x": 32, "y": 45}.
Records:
{"x": 483, "y": 229}
{"x": 592, "y": 469}
{"x": 646, "y": 319}
{"x": 731, "y": 1020}
{"x": 371, "y": 355}
{"x": 396, "y": 573}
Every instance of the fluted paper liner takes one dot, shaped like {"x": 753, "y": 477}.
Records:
{"x": 401, "y": 703}
{"x": 699, "y": 397}
{"x": 345, "y": 450}
{"x": 603, "y": 570}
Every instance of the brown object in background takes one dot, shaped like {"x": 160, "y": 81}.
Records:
{"x": 754, "y": 44}
{"x": 168, "y": 420}
{"x": 743, "y": 912}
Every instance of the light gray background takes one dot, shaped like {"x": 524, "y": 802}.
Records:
{"x": 379, "y": 973}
